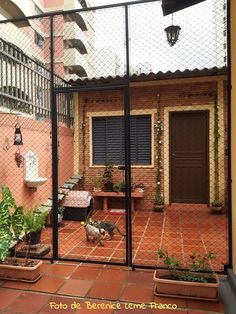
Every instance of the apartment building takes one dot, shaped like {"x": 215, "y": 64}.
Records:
{"x": 25, "y": 47}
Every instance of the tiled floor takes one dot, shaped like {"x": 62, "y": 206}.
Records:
{"x": 80, "y": 288}
{"x": 180, "y": 229}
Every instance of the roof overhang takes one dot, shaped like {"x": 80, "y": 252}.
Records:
{"x": 171, "y": 6}
{"x": 120, "y": 80}
{"x": 10, "y": 11}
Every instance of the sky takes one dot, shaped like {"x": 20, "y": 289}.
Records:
{"x": 200, "y": 41}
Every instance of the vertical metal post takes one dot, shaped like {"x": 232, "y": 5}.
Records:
{"x": 127, "y": 147}
{"x": 54, "y": 147}
{"x": 230, "y": 226}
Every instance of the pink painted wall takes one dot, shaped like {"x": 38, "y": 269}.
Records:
{"x": 37, "y": 138}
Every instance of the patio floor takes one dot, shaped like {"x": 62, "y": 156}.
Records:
{"x": 180, "y": 230}
{"x": 77, "y": 286}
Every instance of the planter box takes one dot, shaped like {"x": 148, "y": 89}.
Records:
{"x": 19, "y": 272}
{"x": 185, "y": 289}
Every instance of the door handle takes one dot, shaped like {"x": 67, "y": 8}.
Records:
{"x": 173, "y": 155}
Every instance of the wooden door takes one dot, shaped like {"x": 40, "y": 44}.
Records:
{"x": 189, "y": 161}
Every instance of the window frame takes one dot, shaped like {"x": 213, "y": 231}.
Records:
{"x": 91, "y": 115}
{"x": 38, "y": 42}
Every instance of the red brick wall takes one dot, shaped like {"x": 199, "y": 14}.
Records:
{"x": 142, "y": 98}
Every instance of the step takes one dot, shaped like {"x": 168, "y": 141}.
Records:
{"x": 227, "y": 292}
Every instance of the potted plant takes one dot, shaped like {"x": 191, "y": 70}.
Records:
{"x": 33, "y": 225}
{"x": 216, "y": 207}
{"x": 138, "y": 187}
{"x": 97, "y": 184}
{"x": 119, "y": 186}
{"x": 107, "y": 178}
{"x": 60, "y": 211}
{"x": 11, "y": 228}
{"x": 159, "y": 204}
{"x": 196, "y": 282}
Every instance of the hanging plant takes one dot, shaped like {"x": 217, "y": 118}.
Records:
{"x": 216, "y": 205}
{"x": 159, "y": 199}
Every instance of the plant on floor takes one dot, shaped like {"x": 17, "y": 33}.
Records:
{"x": 196, "y": 270}
{"x": 11, "y": 228}
{"x": 11, "y": 224}
{"x": 159, "y": 199}
{"x": 34, "y": 222}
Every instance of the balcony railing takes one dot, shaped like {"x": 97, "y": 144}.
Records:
{"x": 75, "y": 37}
{"x": 25, "y": 85}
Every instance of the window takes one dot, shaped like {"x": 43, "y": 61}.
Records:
{"x": 38, "y": 11}
{"x": 39, "y": 40}
{"x": 108, "y": 140}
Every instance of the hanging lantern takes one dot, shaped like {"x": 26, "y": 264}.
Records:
{"x": 17, "y": 136}
{"x": 172, "y": 33}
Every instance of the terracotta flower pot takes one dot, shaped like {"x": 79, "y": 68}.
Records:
{"x": 165, "y": 286}
{"x": 13, "y": 269}
{"x": 158, "y": 208}
{"x": 217, "y": 210}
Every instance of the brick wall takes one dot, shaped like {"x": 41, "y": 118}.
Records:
{"x": 188, "y": 94}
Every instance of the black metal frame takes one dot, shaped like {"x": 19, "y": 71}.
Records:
{"x": 126, "y": 89}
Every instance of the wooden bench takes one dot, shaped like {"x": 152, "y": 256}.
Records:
{"x": 107, "y": 195}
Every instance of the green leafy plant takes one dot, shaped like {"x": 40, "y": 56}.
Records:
{"x": 199, "y": 269}
{"x": 108, "y": 173}
{"x": 60, "y": 210}
{"x": 117, "y": 187}
{"x": 11, "y": 224}
{"x": 96, "y": 181}
{"x": 216, "y": 203}
{"x": 159, "y": 200}
{"x": 34, "y": 221}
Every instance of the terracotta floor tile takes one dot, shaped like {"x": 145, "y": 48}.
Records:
{"x": 119, "y": 253}
{"x": 86, "y": 272}
{"x": 28, "y": 303}
{"x": 17, "y": 285}
{"x": 61, "y": 270}
{"x": 62, "y": 305}
{"x": 102, "y": 251}
{"x": 47, "y": 284}
{"x": 105, "y": 290}
{"x": 7, "y": 297}
{"x": 137, "y": 293}
{"x": 140, "y": 277}
{"x": 45, "y": 267}
{"x": 206, "y": 305}
{"x": 75, "y": 287}
{"x": 116, "y": 275}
